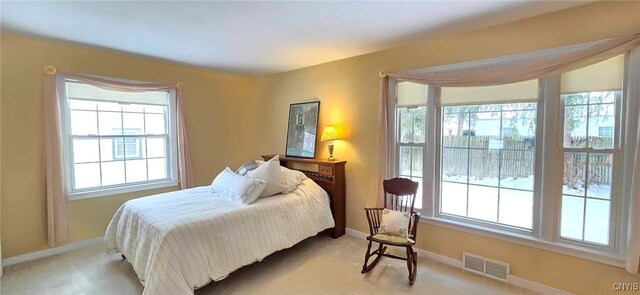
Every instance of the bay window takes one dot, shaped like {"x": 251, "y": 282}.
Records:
{"x": 537, "y": 162}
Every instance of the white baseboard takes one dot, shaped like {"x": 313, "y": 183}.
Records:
{"x": 514, "y": 280}
{"x": 51, "y": 251}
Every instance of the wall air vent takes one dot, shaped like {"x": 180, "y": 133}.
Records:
{"x": 485, "y": 266}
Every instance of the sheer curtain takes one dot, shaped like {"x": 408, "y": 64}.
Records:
{"x": 632, "y": 170}
{"x": 531, "y": 69}
{"x": 55, "y": 174}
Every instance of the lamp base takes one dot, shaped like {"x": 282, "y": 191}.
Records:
{"x": 331, "y": 158}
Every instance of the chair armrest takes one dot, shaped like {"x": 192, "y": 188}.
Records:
{"x": 415, "y": 219}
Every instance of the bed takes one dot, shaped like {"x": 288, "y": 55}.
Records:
{"x": 180, "y": 241}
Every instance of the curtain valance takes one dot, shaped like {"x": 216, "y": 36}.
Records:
{"x": 528, "y": 70}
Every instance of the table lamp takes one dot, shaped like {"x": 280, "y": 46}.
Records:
{"x": 330, "y": 134}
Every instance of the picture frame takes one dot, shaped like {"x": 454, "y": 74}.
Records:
{"x": 302, "y": 129}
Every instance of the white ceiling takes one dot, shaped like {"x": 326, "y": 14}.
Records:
{"x": 258, "y": 37}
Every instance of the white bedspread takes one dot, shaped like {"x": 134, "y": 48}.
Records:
{"x": 180, "y": 241}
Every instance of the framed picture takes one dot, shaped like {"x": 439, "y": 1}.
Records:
{"x": 302, "y": 129}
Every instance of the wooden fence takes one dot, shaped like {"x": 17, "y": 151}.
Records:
{"x": 518, "y": 158}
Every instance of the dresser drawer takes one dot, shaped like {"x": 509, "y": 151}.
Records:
{"x": 325, "y": 170}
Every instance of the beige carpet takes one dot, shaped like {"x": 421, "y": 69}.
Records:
{"x": 319, "y": 265}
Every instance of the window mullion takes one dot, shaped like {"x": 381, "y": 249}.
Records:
{"x": 550, "y": 181}
{"x": 429, "y": 167}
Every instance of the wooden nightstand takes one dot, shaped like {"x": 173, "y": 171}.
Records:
{"x": 330, "y": 176}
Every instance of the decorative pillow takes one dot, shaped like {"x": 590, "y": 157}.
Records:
{"x": 237, "y": 187}
{"x": 246, "y": 167}
{"x": 271, "y": 173}
{"x": 394, "y": 223}
{"x": 292, "y": 178}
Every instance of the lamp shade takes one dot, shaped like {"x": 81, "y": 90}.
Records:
{"x": 329, "y": 133}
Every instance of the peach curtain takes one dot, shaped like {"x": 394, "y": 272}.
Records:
{"x": 632, "y": 170}
{"x": 383, "y": 143}
{"x": 55, "y": 174}
{"x": 529, "y": 70}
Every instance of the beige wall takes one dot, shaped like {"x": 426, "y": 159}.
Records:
{"x": 349, "y": 92}
{"x": 226, "y": 112}
{"x": 219, "y": 131}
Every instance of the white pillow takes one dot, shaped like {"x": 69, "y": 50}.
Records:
{"x": 394, "y": 223}
{"x": 292, "y": 178}
{"x": 271, "y": 173}
{"x": 236, "y": 187}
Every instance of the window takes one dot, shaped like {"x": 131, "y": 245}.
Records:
{"x": 118, "y": 141}
{"x": 411, "y": 116}
{"x": 537, "y": 162}
{"x": 487, "y": 171}
{"x": 589, "y": 150}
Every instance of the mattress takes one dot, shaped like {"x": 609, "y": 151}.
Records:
{"x": 180, "y": 241}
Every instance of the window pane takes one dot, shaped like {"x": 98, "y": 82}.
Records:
{"x": 516, "y": 208}
{"x": 157, "y": 168}
{"x": 419, "y": 116}
{"x": 85, "y": 150}
{"x": 574, "y": 169}
{"x": 516, "y": 169}
{"x": 154, "y": 109}
{"x": 484, "y": 167}
{"x": 155, "y": 124}
{"x": 454, "y": 164}
{"x": 571, "y": 219}
{"x": 87, "y": 175}
{"x": 405, "y": 160}
{"x": 575, "y": 125}
{"x": 156, "y": 147}
{"x": 136, "y": 170}
{"x": 454, "y": 198}
{"x": 483, "y": 203}
{"x": 601, "y": 125}
{"x": 113, "y": 173}
{"x": 109, "y": 106}
{"x": 84, "y": 123}
{"x": 133, "y": 123}
{"x": 136, "y": 108}
{"x": 76, "y": 104}
{"x": 416, "y": 159}
{"x": 484, "y": 126}
{"x": 406, "y": 125}
{"x": 107, "y": 149}
{"x": 110, "y": 123}
{"x": 455, "y": 128}
{"x": 133, "y": 147}
{"x": 596, "y": 227}
{"x": 600, "y": 177}
{"x": 418, "y": 202}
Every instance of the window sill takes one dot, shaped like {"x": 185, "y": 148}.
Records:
{"x": 121, "y": 190}
{"x": 609, "y": 258}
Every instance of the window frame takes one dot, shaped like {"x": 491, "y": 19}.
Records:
{"x": 493, "y": 225}
{"x": 616, "y": 238}
{"x": 398, "y": 144}
{"x": 550, "y": 117}
{"x": 67, "y": 141}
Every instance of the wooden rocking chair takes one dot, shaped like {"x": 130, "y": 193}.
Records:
{"x": 399, "y": 195}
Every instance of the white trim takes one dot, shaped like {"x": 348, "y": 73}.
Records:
{"x": 122, "y": 189}
{"x": 513, "y": 280}
{"x": 51, "y": 251}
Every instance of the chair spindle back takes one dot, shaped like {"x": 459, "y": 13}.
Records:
{"x": 400, "y": 194}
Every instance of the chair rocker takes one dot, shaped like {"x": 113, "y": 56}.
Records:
{"x": 399, "y": 195}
